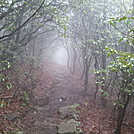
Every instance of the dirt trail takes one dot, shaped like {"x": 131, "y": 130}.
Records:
{"x": 64, "y": 91}
{"x": 43, "y": 117}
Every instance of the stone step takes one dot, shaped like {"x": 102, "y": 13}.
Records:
{"x": 70, "y": 120}
{"x": 69, "y": 127}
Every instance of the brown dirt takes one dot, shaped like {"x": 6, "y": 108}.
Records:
{"x": 64, "y": 90}
{"x": 56, "y": 87}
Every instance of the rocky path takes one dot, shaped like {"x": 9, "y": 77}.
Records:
{"x": 56, "y": 113}
{"x": 58, "y": 107}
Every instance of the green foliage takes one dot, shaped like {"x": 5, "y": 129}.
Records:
{"x": 9, "y": 85}
{"x": 4, "y": 3}
{"x": 110, "y": 51}
{"x": 2, "y": 103}
{"x": 123, "y": 64}
{"x": 7, "y": 52}
{"x": 75, "y": 106}
{"x": 125, "y": 22}
{"x": 118, "y": 104}
{"x": 4, "y": 65}
{"x": 2, "y": 78}
{"x": 104, "y": 93}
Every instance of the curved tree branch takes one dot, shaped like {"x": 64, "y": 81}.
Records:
{"x": 25, "y": 23}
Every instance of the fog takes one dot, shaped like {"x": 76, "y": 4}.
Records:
{"x": 60, "y": 56}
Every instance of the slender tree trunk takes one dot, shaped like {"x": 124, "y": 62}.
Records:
{"x": 74, "y": 60}
{"x": 86, "y": 78}
{"x": 83, "y": 71}
{"x": 103, "y": 97}
{"x": 122, "y": 110}
{"x": 96, "y": 66}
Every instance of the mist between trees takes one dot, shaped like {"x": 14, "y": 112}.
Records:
{"x": 90, "y": 37}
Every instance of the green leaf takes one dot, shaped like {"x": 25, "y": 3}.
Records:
{"x": 9, "y": 85}
{"x": 101, "y": 90}
{"x": 114, "y": 103}
{"x": 108, "y": 54}
{"x": 121, "y": 105}
{"x": 105, "y": 94}
{"x": 2, "y": 104}
{"x": 128, "y": 22}
{"x": 3, "y": 2}
{"x": 132, "y": 18}
{"x": 121, "y": 40}
{"x": 123, "y": 18}
{"x": 63, "y": 35}
{"x": 85, "y": 12}
{"x": 113, "y": 23}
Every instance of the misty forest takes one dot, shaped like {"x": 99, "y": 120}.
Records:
{"x": 66, "y": 66}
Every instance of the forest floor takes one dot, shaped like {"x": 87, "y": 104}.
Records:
{"x": 56, "y": 88}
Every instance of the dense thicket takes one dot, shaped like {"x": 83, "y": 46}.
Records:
{"x": 97, "y": 34}
{"x": 102, "y": 32}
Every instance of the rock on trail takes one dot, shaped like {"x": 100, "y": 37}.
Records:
{"x": 58, "y": 113}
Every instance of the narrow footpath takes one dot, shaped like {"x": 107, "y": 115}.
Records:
{"x": 55, "y": 112}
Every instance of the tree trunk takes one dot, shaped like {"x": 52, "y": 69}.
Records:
{"x": 86, "y": 80}
{"x": 96, "y": 66}
{"x": 103, "y": 98}
{"x": 121, "y": 115}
